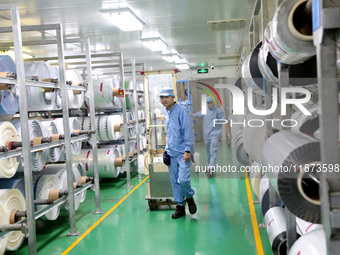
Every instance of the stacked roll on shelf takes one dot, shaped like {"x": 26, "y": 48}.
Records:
{"x": 255, "y": 177}
{"x": 51, "y": 128}
{"x": 9, "y": 103}
{"x": 13, "y": 183}
{"x": 13, "y": 200}
{"x": 4, "y": 219}
{"x": 312, "y": 243}
{"x": 75, "y": 98}
{"x": 8, "y": 133}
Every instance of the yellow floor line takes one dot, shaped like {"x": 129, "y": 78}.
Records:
{"x": 257, "y": 236}
{"x": 102, "y": 218}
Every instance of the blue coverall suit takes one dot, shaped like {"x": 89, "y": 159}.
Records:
{"x": 211, "y": 134}
{"x": 178, "y": 141}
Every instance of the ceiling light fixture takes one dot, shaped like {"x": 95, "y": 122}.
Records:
{"x": 171, "y": 57}
{"x": 182, "y": 64}
{"x": 123, "y": 18}
{"x": 154, "y": 43}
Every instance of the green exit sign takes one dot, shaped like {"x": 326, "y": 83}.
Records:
{"x": 202, "y": 70}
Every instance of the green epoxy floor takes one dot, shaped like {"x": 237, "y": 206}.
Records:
{"x": 222, "y": 224}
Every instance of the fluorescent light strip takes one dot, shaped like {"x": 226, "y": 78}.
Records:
{"x": 123, "y": 18}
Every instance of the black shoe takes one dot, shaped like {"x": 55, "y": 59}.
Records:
{"x": 180, "y": 211}
{"x": 192, "y": 205}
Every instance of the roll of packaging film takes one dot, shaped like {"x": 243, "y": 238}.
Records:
{"x": 275, "y": 221}
{"x": 241, "y": 154}
{"x": 290, "y": 35}
{"x": 105, "y": 92}
{"x": 292, "y": 159}
{"x": 12, "y": 199}
{"x": 79, "y": 172}
{"x": 13, "y": 183}
{"x": 303, "y": 227}
{"x": 121, "y": 152}
{"x": 38, "y": 159}
{"x": 50, "y": 128}
{"x": 9, "y": 103}
{"x": 37, "y": 98}
{"x": 236, "y": 130}
{"x": 4, "y": 220}
{"x": 255, "y": 177}
{"x": 306, "y": 124}
{"x": 43, "y": 184}
{"x": 109, "y": 162}
{"x": 54, "y": 69}
{"x": 8, "y": 133}
{"x": 265, "y": 196}
{"x": 312, "y": 243}
{"x": 251, "y": 73}
{"x": 75, "y": 100}
{"x": 254, "y": 137}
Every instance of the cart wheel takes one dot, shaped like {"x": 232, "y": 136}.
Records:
{"x": 152, "y": 204}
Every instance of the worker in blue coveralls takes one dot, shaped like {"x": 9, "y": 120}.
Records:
{"x": 177, "y": 152}
{"x": 212, "y": 133}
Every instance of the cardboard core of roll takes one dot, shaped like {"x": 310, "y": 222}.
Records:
{"x": 54, "y": 194}
{"x": 118, "y": 161}
{"x": 5, "y": 86}
{"x": 12, "y": 217}
{"x": 75, "y": 185}
{"x": 55, "y": 137}
{"x": 3, "y": 74}
{"x": 135, "y": 151}
{"x": 123, "y": 157}
{"x": 131, "y": 153}
{"x": 37, "y": 140}
{"x": 115, "y": 92}
{"x": 117, "y": 126}
{"x": 48, "y": 89}
{"x": 76, "y": 92}
{"x": 83, "y": 179}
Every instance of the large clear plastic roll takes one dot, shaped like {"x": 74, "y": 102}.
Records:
{"x": 290, "y": 35}
{"x": 109, "y": 162}
{"x": 312, "y": 243}
{"x": 37, "y": 98}
{"x": 50, "y": 128}
{"x": 42, "y": 187}
{"x": 55, "y": 75}
{"x": 303, "y": 227}
{"x": 8, "y": 133}
{"x": 17, "y": 183}
{"x": 254, "y": 136}
{"x": 255, "y": 177}
{"x": 251, "y": 73}
{"x": 4, "y": 220}
{"x": 306, "y": 124}
{"x": 105, "y": 93}
{"x": 75, "y": 101}
{"x": 9, "y": 103}
{"x": 38, "y": 159}
{"x": 275, "y": 221}
{"x": 12, "y": 199}
{"x": 292, "y": 158}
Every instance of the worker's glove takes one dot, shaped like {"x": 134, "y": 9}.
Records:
{"x": 166, "y": 158}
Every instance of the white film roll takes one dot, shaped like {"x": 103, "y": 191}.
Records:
{"x": 37, "y": 98}
{"x": 275, "y": 221}
{"x": 8, "y": 166}
{"x": 241, "y": 154}
{"x": 106, "y": 162}
{"x": 80, "y": 171}
{"x": 38, "y": 159}
{"x": 75, "y": 101}
{"x": 312, "y": 243}
{"x": 254, "y": 136}
{"x": 50, "y": 128}
{"x": 264, "y": 194}
{"x": 55, "y": 75}
{"x": 255, "y": 177}
{"x": 12, "y": 199}
{"x": 17, "y": 183}
{"x": 290, "y": 36}
{"x": 303, "y": 227}
{"x": 4, "y": 220}
{"x": 265, "y": 70}
{"x": 42, "y": 187}
{"x": 289, "y": 155}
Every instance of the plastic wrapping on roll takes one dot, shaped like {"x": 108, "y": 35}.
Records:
{"x": 8, "y": 133}
{"x": 75, "y": 101}
{"x": 303, "y": 227}
{"x": 306, "y": 124}
{"x": 42, "y": 187}
{"x": 9, "y": 103}
{"x": 17, "y": 183}
{"x": 251, "y": 73}
{"x": 80, "y": 171}
{"x": 37, "y": 99}
{"x": 38, "y": 159}
{"x": 106, "y": 162}
{"x": 55, "y": 75}
{"x": 254, "y": 137}
{"x": 264, "y": 194}
{"x": 104, "y": 98}
{"x": 298, "y": 189}
{"x": 12, "y": 199}
{"x": 50, "y": 128}
{"x": 4, "y": 220}
{"x": 290, "y": 35}
{"x": 312, "y": 243}
{"x": 276, "y": 228}
{"x": 255, "y": 177}
{"x": 241, "y": 154}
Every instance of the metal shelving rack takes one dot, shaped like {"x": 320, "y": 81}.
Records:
{"x": 20, "y": 85}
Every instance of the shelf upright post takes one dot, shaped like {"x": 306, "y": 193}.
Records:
{"x": 93, "y": 121}
{"x": 26, "y": 148}
{"x": 125, "y": 128}
{"x": 65, "y": 106}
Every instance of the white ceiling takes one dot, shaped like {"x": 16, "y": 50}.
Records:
{"x": 181, "y": 23}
